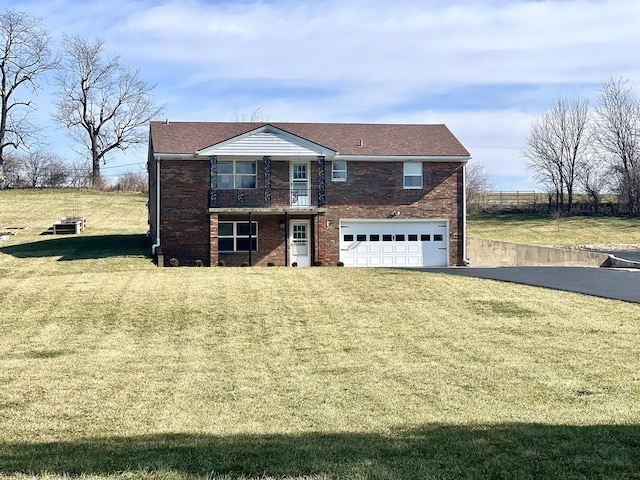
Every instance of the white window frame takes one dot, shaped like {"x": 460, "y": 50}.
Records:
{"x": 334, "y": 170}
{"x": 406, "y": 174}
{"x": 236, "y": 175}
{"x": 235, "y": 236}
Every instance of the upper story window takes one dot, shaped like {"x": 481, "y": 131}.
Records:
{"x": 412, "y": 175}
{"x": 236, "y": 174}
{"x": 338, "y": 171}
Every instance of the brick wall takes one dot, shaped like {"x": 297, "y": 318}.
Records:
{"x": 184, "y": 219}
{"x": 372, "y": 190}
{"x": 375, "y": 190}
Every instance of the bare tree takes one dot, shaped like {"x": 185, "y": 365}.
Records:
{"x": 594, "y": 181}
{"x": 79, "y": 174}
{"x": 557, "y": 147}
{"x": 476, "y": 183}
{"x": 130, "y": 181}
{"x": 57, "y": 172}
{"x": 36, "y": 168}
{"x": 618, "y": 136}
{"x": 13, "y": 170}
{"x": 256, "y": 116}
{"x": 104, "y": 105}
{"x": 24, "y": 57}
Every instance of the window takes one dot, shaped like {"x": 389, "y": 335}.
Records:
{"x": 348, "y": 238}
{"x": 234, "y": 237}
{"x": 438, "y": 237}
{"x": 413, "y": 237}
{"x": 233, "y": 175}
{"x": 361, "y": 238}
{"x": 338, "y": 171}
{"x": 374, "y": 238}
{"x": 400, "y": 237}
{"x": 412, "y": 175}
{"x": 425, "y": 237}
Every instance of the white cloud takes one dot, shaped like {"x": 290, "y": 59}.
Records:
{"x": 482, "y": 67}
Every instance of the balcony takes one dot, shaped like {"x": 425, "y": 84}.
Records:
{"x": 269, "y": 198}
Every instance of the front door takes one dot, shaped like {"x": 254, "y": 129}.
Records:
{"x": 300, "y": 194}
{"x": 300, "y": 245}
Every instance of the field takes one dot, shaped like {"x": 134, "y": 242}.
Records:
{"x": 112, "y": 368}
{"x": 571, "y": 231}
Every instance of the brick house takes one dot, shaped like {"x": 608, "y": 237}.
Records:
{"x": 306, "y": 193}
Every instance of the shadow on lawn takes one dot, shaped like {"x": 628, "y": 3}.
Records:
{"x": 473, "y": 452}
{"x": 82, "y": 247}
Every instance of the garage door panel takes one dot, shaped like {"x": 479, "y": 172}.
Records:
{"x": 393, "y": 243}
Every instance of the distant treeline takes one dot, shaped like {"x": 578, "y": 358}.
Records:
{"x": 542, "y": 202}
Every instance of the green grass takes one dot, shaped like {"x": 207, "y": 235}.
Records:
{"x": 112, "y": 368}
{"x": 547, "y": 230}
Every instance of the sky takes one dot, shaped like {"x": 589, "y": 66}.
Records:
{"x": 485, "y": 68}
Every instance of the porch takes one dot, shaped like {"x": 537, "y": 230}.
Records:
{"x": 264, "y": 237}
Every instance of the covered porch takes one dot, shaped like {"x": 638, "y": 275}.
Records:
{"x": 265, "y": 236}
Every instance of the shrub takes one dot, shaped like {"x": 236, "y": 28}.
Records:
{"x": 222, "y": 263}
{"x": 271, "y": 264}
{"x": 294, "y": 264}
{"x": 174, "y": 262}
{"x": 317, "y": 263}
{"x": 340, "y": 264}
{"x": 244, "y": 264}
{"x": 199, "y": 263}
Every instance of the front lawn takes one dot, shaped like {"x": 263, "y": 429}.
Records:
{"x": 314, "y": 373}
{"x": 112, "y": 368}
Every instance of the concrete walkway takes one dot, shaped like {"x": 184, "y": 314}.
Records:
{"x": 614, "y": 283}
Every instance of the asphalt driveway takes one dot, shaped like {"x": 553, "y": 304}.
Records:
{"x": 615, "y": 283}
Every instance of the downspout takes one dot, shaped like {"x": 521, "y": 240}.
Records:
{"x": 464, "y": 215}
{"x": 157, "y": 244}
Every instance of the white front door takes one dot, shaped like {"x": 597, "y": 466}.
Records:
{"x": 300, "y": 245}
{"x": 300, "y": 194}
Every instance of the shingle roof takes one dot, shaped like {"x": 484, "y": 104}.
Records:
{"x": 377, "y": 139}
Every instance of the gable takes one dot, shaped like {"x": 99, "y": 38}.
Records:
{"x": 267, "y": 140}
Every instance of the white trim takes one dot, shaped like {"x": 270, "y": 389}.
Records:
{"x": 393, "y": 220}
{"x": 349, "y": 158}
{"x": 464, "y": 215}
{"x": 401, "y": 158}
{"x": 155, "y": 246}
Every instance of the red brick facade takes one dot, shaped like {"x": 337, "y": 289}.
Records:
{"x": 188, "y": 212}
{"x": 373, "y": 190}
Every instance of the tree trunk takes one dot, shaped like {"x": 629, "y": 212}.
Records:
{"x": 96, "y": 177}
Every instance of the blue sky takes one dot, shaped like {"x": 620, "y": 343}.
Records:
{"x": 485, "y": 68}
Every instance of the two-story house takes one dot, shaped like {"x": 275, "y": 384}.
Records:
{"x": 368, "y": 195}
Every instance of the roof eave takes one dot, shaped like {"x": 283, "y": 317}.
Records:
{"x": 405, "y": 158}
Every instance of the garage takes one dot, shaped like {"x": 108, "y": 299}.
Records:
{"x": 394, "y": 243}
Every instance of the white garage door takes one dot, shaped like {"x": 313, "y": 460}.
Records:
{"x": 393, "y": 243}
